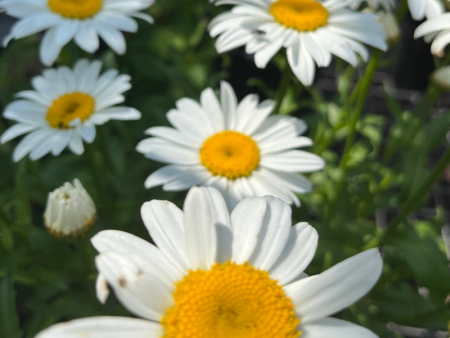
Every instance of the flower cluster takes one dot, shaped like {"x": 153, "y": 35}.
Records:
{"x": 231, "y": 263}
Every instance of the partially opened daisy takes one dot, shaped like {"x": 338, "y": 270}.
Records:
{"x": 234, "y": 147}
{"x": 82, "y": 20}
{"x": 310, "y": 30}
{"x": 421, "y": 9}
{"x": 213, "y": 274}
{"x": 436, "y": 30}
{"x": 64, "y": 108}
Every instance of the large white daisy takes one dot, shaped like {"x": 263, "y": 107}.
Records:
{"x": 82, "y": 20}
{"x": 310, "y": 30}
{"x": 225, "y": 276}
{"x": 64, "y": 108}
{"x": 425, "y": 8}
{"x": 234, "y": 147}
{"x": 436, "y": 30}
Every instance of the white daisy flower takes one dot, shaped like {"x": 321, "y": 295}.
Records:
{"x": 436, "y": 30}
{"x": 70, "y": 211}
{"x": 425, "y": 8}
{"x": 310, "y": 30}
{"x": 82, "y": 20}
{"x": 441, "y": 77}
{"x": 234, "y": 147}
{"x": 219, "y": 275}
{"x": 64, "y": 109}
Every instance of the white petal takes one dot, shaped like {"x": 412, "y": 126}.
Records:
{"x": 297, "y": 254}
{"x": 293, "y": 161}
{"x": 87, "y": 37}
{"x": 228, "y": 101}
{"x": 112, "y": 37}
{"x": 76, "y": 144}
{"x": 104, "y": 327}
{"x": 87, "y": 132}
{"x": 246, "y": 220}
{"x": 337, "y": 288}
{"x": 273, "y": 235}
{"x": 164, "y": 222}
{"x": 101, "y": 289}
{"x": 120, "y": 241}
{"x": 336, "y": 328}
{"x": 140, "y": 285}
{"x": 15, "y": 131}
{"x": 200, "y": 230}
{"x": 49, "y": 50}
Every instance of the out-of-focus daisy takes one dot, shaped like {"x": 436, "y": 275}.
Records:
{"x": 219, "y": 275}
{"x": 390, "y": 25}
{"x": 436, "y": 30}
{"x": 82, "y": 20}
{"x": 70, "y": 211}
{"x": 425, "y": 8}
{"x": 310, "y": 30}
{"x": 64, "y": 109}
{"x": 234, "y": 147}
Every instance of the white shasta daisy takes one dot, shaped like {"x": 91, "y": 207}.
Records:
{"x": 64, "y": 108}
{"x": 219, "y": 275}
{"x": 70, "y": 211}
{"x": 436, "y": 30}
{"x": 421, "y": 9}
{"x": 82, "y": 20}
{"x": 310, "y": 30}
{"x": 234, "y": 147}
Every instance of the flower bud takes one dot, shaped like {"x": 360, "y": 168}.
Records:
{"x": 441, "y": 77}
{"x": 70, "y": 211}
{"x": 390, "y": 25}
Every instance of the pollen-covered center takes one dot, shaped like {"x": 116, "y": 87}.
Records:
{"x": 75, "y": 9}
{"x": 230, "y": 154}
{"x": 303, "y": 15}
{"x": 69, "y": 107}
{"x": 230, "y": 301}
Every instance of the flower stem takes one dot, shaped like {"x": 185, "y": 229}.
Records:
{"x": 361, "y": 96}
{"x": 96, "y": 175}
{"x": 414, "y": 199}
{"x": 282, "y": 88}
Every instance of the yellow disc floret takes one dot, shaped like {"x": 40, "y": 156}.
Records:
{"x": 230, "y": 154}
{"x": 230, "y": 301}
{"x": 68, "y": 107}
{"x": 302, "y": 15}
{"x": 75, "y": 9}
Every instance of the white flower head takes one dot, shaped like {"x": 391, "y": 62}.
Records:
{"x": 82, "y": 20}
{"x": 310, "y": 30}
{"x": 70, "y": 211}
{"x": 213, "y": 274}
{"x": 436, "y": 30}
{"x": 421, "y": 9}
{"x": 64, "y": 108}
{"x": 236, "y": 148}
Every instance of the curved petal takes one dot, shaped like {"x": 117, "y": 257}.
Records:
{"x": 104, "y": 327}
{"x": 164, "y": 222}
{"x": 246, "y": 220}
{"x": 337, "y": 288}
{"x": 274, "y": 233}
{"x": 297, "y": 254}
{"x": 336, "y": 328}
{"x": 140, "y": 285}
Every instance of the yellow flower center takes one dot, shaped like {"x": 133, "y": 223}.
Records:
{"x": 230, "y": 154}
{"x": 75, "y": 9}
{"x": 68, "y": 107}
{"x": 230, "y": 301}
{"x": 302, "y": 15}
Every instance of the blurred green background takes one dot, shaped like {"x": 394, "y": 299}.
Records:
{"x": 398, "y": 141}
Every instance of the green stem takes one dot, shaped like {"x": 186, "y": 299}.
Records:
{"x": 104, "y": 149}
{"x": 414, "y": 199}
{"x": 4, "y": 216}
{"x": 361, "y": 96}
{"x": 282, "y": 88}
{"x": 96, "y": 175}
